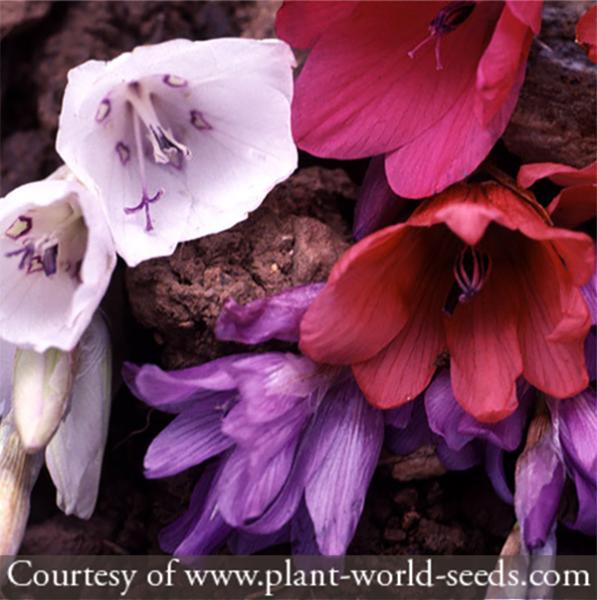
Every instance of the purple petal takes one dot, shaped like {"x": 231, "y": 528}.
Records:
{"x": 577, "y": 419}
{"x": 243, "y": 543}
{"x": 191, "y": 438}
{"x": 459, "y": 460}
{"x": 274, "y": 383}
{"x": 244, "y": 493}
{"x": 276, "y": 317}
{"x": 448, "y": 420}
{"x": 377, "y": 205}
{"x": 335, "y": 492}
{"x": 400, "y": 417}
{"x": 494, "y": 465}
{"x": 302, "y": 534}
{"x": 586, "y": 517}
{"x": 277, "y": 399}
{"x": 172, "y": 391}
{"x": 201, "y": 530}
{"x": 590, "y": 293}
{"x": 540, "y": 481}
{"x": 414, "y": 434}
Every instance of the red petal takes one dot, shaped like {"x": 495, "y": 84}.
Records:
{"x": 586, "y": 32}
{"x": 573, "y": 206}
{"x": 554, "y": 323}
{"x": 361, "y": 308}
{"x": 560, "y": 174}
{"x": 485, "y": 358}
{"x": 405, "y": 367}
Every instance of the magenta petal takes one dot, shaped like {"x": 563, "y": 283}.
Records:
{"x": 540, "y": 481}
{"x": 377, "y": 205}
{"x": 191, "y": 438}
{"x": 276, "y": 317}
{"x": 171, "y": 391}
{"x": 335, "y": 492}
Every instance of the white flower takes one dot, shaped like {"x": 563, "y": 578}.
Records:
{"x": 181, "y": 139}
{"x": 74, "y": 454}
{"x": 56, "y": 258}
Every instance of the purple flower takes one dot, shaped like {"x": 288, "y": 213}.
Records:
{"x": 562, "y": 444}
{"x": 296, "y": 442}
{"x": 461, "y": 442}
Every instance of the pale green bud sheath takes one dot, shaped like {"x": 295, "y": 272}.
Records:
{"x": 18, "y": 473}
{"x": 41, "y": 393}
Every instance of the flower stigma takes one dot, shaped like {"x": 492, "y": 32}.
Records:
{"x": 165, "y": 149}
{"x": 447, "y": 20}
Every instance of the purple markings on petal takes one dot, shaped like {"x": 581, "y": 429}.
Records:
{"x": 27, "y": 253}
{"x": 103, "y": 110}
{"x": 174, "y": 81}
{"x": 198, "y": 121}
{"x": 124, "y": 152}
{"x": 21, "y": 226}
{"x": 146, "y": 200}
{"x": 48, "y": 260}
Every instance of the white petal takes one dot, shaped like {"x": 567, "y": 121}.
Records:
{"x": 74, "y": 456}
{"x": 40, "y": 312}
{"x": 243, "y": 86}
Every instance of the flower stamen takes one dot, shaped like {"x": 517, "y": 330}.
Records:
{"x": 471, "y": 272}
{"x": 447, "y": 20}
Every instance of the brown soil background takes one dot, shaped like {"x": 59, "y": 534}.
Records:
{"x": 163, "y": 310}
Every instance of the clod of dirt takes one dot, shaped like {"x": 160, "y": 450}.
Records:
{"x": 555, "y": 116}
{"x": 295, "y": 237}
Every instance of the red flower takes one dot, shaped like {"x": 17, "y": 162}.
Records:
{"x": 431, "y": 85}
{"x": 476, "y": 272}
{"x": 586, "y": 32}
{"x": 575, "y": 204}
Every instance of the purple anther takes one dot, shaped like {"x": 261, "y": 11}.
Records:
{"x": 174, "y": 81}
{"x": 20, "y": 227}
{"x": 471, "y": 272}
{"x": 36, "y": 264}
{"x": 49, "y": 261}
{"x": 451, "y": 16}
{"x": 103, "y": 110}
{"x": 124, "y": 152}
{"x": 146, "y": 200}
{"x": 198, "y": 121}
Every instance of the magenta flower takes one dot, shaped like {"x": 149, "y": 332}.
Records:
{"x": 296, "y": 442}
{"x": 430, "y": 85}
